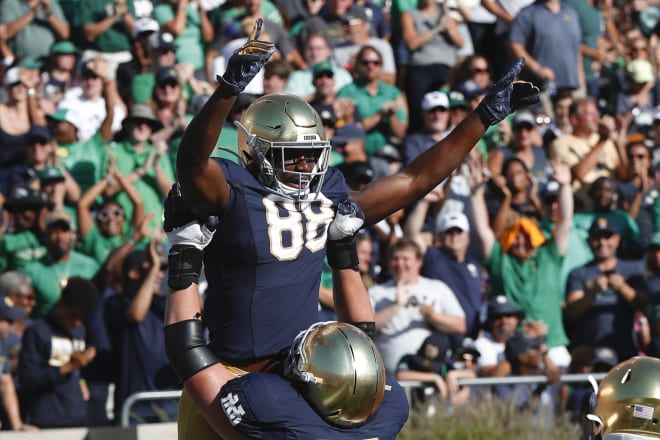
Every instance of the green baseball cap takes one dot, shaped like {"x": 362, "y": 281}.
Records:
{"x": 51, "y": 174}
{"x": 64, "y": 47}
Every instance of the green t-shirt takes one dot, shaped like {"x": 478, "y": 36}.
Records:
{"x": 19, "y": 249}
{"x": 189, "y": 45}
{"x": 98, "y": 246}
{"x": 117, "y": 37}
{"x": 128, "y": 160}
{"x": 84, "y": 160}
{"x": 48, "y": 278}
{"x": 532, "y": 285}
{"x": 36, "y": 38}
{"x": 228, "y": 140}
{"x": 369, "y": 105}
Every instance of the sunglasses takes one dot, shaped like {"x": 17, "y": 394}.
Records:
{"x": 637, "y": 156}
{"x": 106, "y": 214}
{"x": 368, "y": 62}
{"x": 479, "y": 70}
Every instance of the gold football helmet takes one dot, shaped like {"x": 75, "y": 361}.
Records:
{"x": 626, "y": 401}
{"x": 339, "y": 371}
{"x": 279, "y": 130}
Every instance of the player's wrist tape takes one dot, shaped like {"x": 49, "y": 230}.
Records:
{"x": 342, "y": 254}
{"x": 185, "y": 266}
{"x": 368, "y": 327}
{"x": 186, "y": 348}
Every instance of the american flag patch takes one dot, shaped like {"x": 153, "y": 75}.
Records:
{"x": 643, "y": 412}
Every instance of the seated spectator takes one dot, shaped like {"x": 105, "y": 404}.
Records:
{"x": 143, "y": 164}
{"x": 107, "y": 228}
{"x": 383, "y": 110}
{"x": 409, "y": 307}
{"x": 462, "y": 365}
{"x": 192, "y": 29}
{"x": 9, "y": 406}
{"x": 276, "y": 74}
{"x": 60, "y": 64}
{"x": 34, "y": 27}
{"x": 650, "y": 285}
{"x": 21, "y": 244}
{"x": 60, "y": 188}
{"x": 357, "y": 26}
{"x": 428, "y": 365}
{"x": 134, "y": 319}
{"x": 528, "y": 355}
{"x": 601, "y": 301}
{"x": 51, "y": 273}
{"x": 316, "y": 50}
{"x": 435, "y": 117}
{"x": 349, "y": 142}
{"x": 502, "y": 321}
{"x": 635, "y": 98}
{"x": 591, "y": 149}
{"x": 523, "y": 259}
{"x": 49, "y": 376}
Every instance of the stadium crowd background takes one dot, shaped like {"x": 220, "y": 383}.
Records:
{"x": 96, "y": 95}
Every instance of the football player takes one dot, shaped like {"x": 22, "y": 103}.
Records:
{"x": 264, "y": 262}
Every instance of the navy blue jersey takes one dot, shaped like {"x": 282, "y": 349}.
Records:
{"x": 267, "y": 406}
{"x": 264, "y": 265}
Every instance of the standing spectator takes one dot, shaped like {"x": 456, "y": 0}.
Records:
{"x": 357, "y": 27}
{"x": 409, "y": 306}
{"x": 22, "y": 244}
{"x": 60, "y": 188}
{"x": 448, "y": 262}
{"x": 433, "y": 39}
{"x": 9, "y": 406}
{"x": 592, "y": 149}
{"x": 15, "y": 118}
{"x": 52, "y": 353}
{"x": 601, "y": 303}
{"x": 107, "y": 26}
{"x": 33, "y": 26}
{"x": 502, "y": 321}
{"x": 189, "y": 23}
{"x": 383, "y": 110}
{"x": 50, "y": 274}
{"x": 523, "y": 264}
{"x": 145, "y": 165}
{"x": 134, "y": 319}
{"x": 349, "y": 142}
{"x": 276, "y": 74}
{"x": 548, "y": 35}
{"x": 435, "y": 117}
{"x": 334, "y": 111}
{"x": 316, "y": 49}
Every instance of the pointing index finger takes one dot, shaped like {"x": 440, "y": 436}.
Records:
{"x": 256, "y": 30}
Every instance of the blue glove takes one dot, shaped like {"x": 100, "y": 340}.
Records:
{"x": 247, "y": 61}
{"x": 506, "y": 96}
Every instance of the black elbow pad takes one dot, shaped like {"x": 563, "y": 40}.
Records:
{"x": 186, "y": 348}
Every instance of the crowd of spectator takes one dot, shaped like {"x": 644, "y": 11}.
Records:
{"x": 539, "y": 255}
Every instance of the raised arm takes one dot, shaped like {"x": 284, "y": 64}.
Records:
{"x": 201, "y": 179}
{"x": 485, "y": 235}
{"x": 384, "y": 196}
{"x": 562, "y": 174}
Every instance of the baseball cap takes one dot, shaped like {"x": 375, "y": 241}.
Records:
{"x": 67, "y": 115}
{"x": 467, "y": 351}
{"x": 457, "y": 99}
{"x": 454, "y": 220}
{"x": 323, "y": 67}
{"x": 26, "y": 197}
{"x": 520, "y": 343}
{"x": 346, "y": 133}
{"x": 11, "y": 77}
{"x": 550, "y": 191}
{"x": 51, "y": 174}
{"x": 524, "y": 118}
{"x": 59, "y": 218}
{"x": 161, "y": 41}
{"x": 602, "y": 225}
{"x": 30, "y": 63}
{"x": 64, "y": 47}
{"x": 389, "y": 152}
{"x": 640, "y": 71}
{"x": 501, "y": 305}
{"x": 327, "y": 114}
{"x": 145, "y": 25}
{"x": 38, "y": 133}
{"x": 434, "y": 99}
{"x": 354, "y": 14}
{"x": 356, "y": 173}
{"x": 164, "y": 74}
{"x": 9, "y": 311}
{"x": 603, "y": 357}
{"x": 470, "y": 89}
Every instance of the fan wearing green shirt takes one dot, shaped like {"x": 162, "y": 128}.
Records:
{"x": 51, "y": 272}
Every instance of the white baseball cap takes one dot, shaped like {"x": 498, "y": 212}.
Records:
{"x": 434, "y": 99}
{"x": 454, "y": 220}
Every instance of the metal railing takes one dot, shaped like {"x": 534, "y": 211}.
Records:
{"x": 408, "y": 385}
